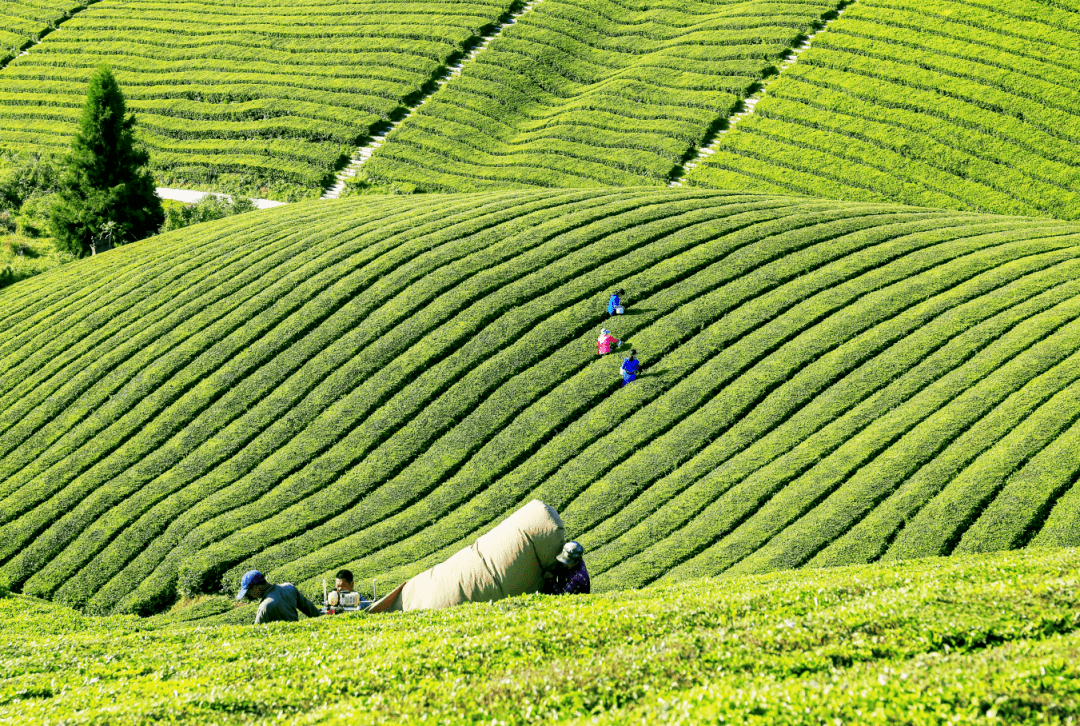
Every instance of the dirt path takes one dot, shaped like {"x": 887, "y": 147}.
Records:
{"x": 751, "y": 103}
{"x": 454, "y": 69}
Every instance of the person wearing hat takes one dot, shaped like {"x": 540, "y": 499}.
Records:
{"x": 276, "y": 602}
{"x": 568, "y": 576}
{"x": 606, "y": 342}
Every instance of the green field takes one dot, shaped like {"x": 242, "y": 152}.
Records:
{"x": 844, "y": 490}
{"x": 262, "y": 97}
{"x": 992, "y": 639}
{"x": 959, "y": 104}
{"x": 22, "y": 23}
{"x": 945, "y": 103}
{"x": 826, "y": 383}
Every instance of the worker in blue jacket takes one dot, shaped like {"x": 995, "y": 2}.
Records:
{"x": 630, "y": 367}
{"x": 613, "y": 301}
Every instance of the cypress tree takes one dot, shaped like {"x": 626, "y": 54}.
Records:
{"x": 105, "y": 179}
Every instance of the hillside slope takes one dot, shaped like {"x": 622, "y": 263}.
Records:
{"x": 964, "y": 104}
{"x": 21, "y": 22}
{"x": 373, "y": 382}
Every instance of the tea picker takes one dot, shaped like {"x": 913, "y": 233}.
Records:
{"x": 343, "y": 599}
{"x": 615, "y": 306}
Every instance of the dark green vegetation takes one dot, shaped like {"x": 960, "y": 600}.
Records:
{"x": 992, "y": 639}
{"x": 207, "y": 209}
{"x": 272, "y": 93}
{"x": 590, "y": 93}
{"x": 105, "y": 193}
{"x": 947, "y": 103}
{"x": 825, "y": 383}
{"x": 28, "y": 184}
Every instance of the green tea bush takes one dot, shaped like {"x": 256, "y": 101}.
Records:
{"x": 967, "y": 639}
{"x": 590, "y": 93}
{"x": 272, "y": 97}
{"x": 207, "y": 209}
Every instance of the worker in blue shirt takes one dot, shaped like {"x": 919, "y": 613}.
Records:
{"x": 613, "y": 304}
{"x": 630, "y": 367}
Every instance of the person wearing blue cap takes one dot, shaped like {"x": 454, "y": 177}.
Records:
{"x": 276, "y": 602}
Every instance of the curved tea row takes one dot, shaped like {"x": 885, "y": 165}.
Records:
{"x": 272, "y": 94}
{"x": 588, "y": 93}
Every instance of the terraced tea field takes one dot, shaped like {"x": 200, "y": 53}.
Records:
{"x": 264, "y": 97}
{"x": 826, "y": 383}
{"x": 590, "y": 93}
{"x": 22, "y": 23}
{"x": 946, "y": 103}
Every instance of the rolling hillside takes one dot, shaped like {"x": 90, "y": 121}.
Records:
{"x": 947, "y": 103}
{"x": 959, "y": 104}
{"x": 22, "y": 23}
{"x": 373, "y": 382}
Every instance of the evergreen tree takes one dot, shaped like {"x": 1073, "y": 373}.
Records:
{"x": 106, "y": 179}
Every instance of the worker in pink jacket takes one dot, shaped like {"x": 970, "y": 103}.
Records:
{"x": 606, "y": 342}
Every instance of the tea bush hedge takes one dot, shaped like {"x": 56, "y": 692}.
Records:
{"x": 960, "y": 640}
{"x": 272, "y": 97}
{"x": 592, "y": 93}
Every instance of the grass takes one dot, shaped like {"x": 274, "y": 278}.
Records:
{"x": 298, "y": 391}
{"x": 959, "y": 640}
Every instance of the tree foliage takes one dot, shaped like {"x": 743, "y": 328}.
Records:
{"x": 106, "y": 179}
{"x": 206, "y": 209}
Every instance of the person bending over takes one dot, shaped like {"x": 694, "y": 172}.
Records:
{"x": 614, "y": 303}
{"x": 606, "y": 342}
{"x": 276, "y": 602}
{"x": 629, "y": 368}
{"x": 568, "y": 576}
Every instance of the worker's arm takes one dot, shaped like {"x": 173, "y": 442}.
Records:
{"x": 305, "y": 606}
{"x": 261, "y": 614}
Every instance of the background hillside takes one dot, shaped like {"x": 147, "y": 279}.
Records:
{"x": 968, "y": 105}
{"x": 826, "y": 383}
{"x": 948, "y": 103}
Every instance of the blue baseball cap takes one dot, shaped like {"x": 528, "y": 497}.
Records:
{"x": 249, "y": 580}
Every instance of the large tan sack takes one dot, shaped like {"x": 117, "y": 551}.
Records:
{"x": 507, "y": 561}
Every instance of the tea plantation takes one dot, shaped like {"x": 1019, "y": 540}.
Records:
{"x": 588, "y": 93}
{"x": 992, "y": 639}
{"x": 948, "y": 103}
{"x": 843, "y": 490}
{"x": 826, "y": 383}
{"x": 260, "y": 96}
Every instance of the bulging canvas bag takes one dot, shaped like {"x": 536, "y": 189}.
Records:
{"x": 507, "y": 561}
